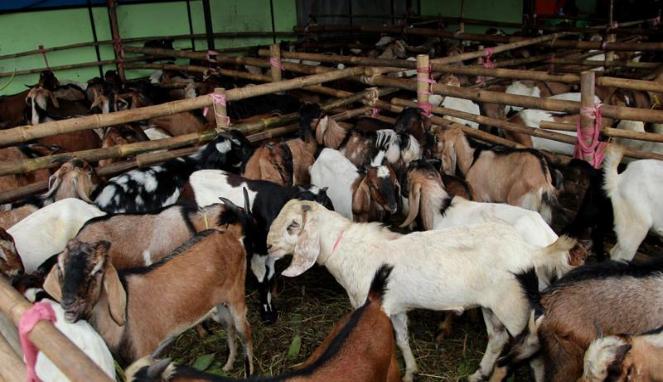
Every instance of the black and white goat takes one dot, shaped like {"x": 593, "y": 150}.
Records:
{"x": 152, "y": 188}
{"x": 264, "y": 202}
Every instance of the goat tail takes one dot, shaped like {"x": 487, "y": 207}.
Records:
{"x": 415, "y": 197}
{"x": 556, "y": 257}
{"x": 379, "y": 283}
{"x": 613, "y": 155}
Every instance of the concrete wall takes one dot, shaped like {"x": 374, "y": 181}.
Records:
{"x": 25, "y": 31}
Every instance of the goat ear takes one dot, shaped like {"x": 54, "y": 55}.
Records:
{"x": 52, "y": 284}
{"x": 156, "y": 370}
{"x": 361, "y": 198}
{"x": 307, "y": 248}
{"x": 117, "y": 296}
{"x": 54, "y": 99}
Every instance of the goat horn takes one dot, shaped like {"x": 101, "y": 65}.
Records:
{"x": 53, "y": 185}
{"x": 81, "y": 192}
{"x": 415, "y": 196}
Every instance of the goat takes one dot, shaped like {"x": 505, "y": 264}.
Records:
{"x": 263, "y": 201}
{"x": 74, "y": 179}
{"x": 287, "y": 163}
{"x": 15, "y": 215}
{"x": 11, "y": 182}
{"x": 635, "y": 203}
{"x": 143, "y": 239}
{"x": 398, "y": 149}
{"x": 460, "y": 104}
{"x": 120, "y": 135}
{"x": 329, "y": 133}
{"x": 426, "y": 268}
{"x": 410, "y": 121}
{"x": 154, "y": 187}
{"x": 624, "y": 358}
{"x": 180, "y": 123}
{"x": 10, "y": 262}
{"x": 607, "y": 298}
{"x": 13, "y": 109}
{"x": 368, "y": 194}
{"x": 46, "y": 231}
{"x": 137, "y": 311}
{"x": 359, "y": 348}
{"x": 520, "y": 177}
{"x": 595, "y": 212}
{"x": 638, "y": 126}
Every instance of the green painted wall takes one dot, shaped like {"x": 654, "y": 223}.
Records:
{"x": 22, "y": 31}
{"x": 497, "y": 10}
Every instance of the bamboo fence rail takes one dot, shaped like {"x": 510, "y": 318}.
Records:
{"x": 62, "y": 352}
{"x": 26, "y": 133}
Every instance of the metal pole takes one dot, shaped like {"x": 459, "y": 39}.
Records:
{"x": 94, "y": 36}
{"x": 271, "y": 11}
{"x": 209, "y": 30}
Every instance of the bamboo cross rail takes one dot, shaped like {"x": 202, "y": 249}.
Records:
{"x": 130, "y": 149}
{"x": 510, "y": 126}
{"x": 69, "y": 67}
{"x": 259, "y": 131}
{"x": 63, "y": 353}
{"x": 607, "y": 131}
{"x": 26, "y": 133}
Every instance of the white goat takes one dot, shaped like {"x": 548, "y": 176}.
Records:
{"x": 636, "y": 201}
{"x": 454, "y": 269}
{"x": 45, "y": 232}
{"x": 520, "y": 88}
{"x": 82, "y": 335}
{"x": 533, "y": 118}
{"x": 638, "y": 126}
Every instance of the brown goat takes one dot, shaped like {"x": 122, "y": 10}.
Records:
{"x": 179, "y": 123}
{"x": 12, "y": 109}
{"x": 376, "y": 194}
{"x": 272, "y": 162}
{"x": 330, "y": 133}
{"x": 138, "y": 311}
{"x": 15, "y": 215}
{"x": 625, "y": 358}
{"x": 74, "y": 179}
{"x": 11, "y": 182}
{"x": 608, "y": 298}
{"x": 121, "y": 135}
{"x": 517, "y": 177}
{"x": 360, "y": 348}
{"x": 10, "y": 262}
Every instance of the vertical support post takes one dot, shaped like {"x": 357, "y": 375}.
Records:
{"x": 392, "y": 7}
{"x": 220, "y": 109}
{"x": 188, "y": 15}
{"x": 117, "y": 40}
{"x": 423, "y": 83}
{"x": 209, "y": 30}
{"x": 275, "y": 61}
{"x": 93, "y": 26}
{"x": 587, "y": 120}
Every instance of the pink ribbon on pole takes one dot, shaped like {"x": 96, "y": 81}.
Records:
{"x": 375, "y": 112}
{"x": 276, "y": 63}
{"x": 488, "y": 61}
{"x": 426, "y": 108}
{"x": 38, "y": 312}
{"x": 596, "y": 149}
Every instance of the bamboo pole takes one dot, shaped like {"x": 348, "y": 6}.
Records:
{"x": 27, "y": 133}
{"x": 611, "y": 111}
{"x": 69, "y": 66}
{"x": 220, "y": 111}
{"x": 607, "y": 131}
{"x": 625, "y": 64}
{"x": 510, "y": 126}
{"x": 423, "y": 82}
{"x": 275, "y": 60}
{"x": 260, "y": 131}
{"x": 117, "y": 40}
{"x": 12, "y": 368}
{"x": 63, "y": 353}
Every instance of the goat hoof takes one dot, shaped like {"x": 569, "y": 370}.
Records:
{"x": 227, "y": 367}
{"x": 269, "y": 317}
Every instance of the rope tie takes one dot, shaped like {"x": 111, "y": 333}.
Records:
{"x": 375, "y": 112}
{"x": 657, "y": 101}
{"x": 488, "y": 63}
{"x": 41, "y": 311}
{"x": 426, "y": 107}
{"x": 276, "y": 63}
{"x": 218, "y": 100}
{"x": 596, "y": 149}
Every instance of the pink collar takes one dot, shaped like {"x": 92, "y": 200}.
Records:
{"x": 338, "y": 241}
